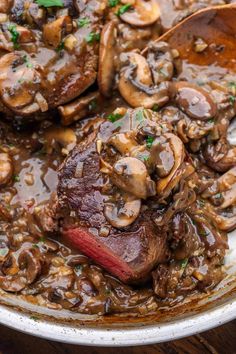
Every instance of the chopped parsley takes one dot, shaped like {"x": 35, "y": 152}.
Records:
{"x": 60, "y": 47}
{"x": 123, "y": 9}
{"x": 82, "y": 22}
{"x": 201, "y": 202}
{"x": 14, "y": 35}
{"x": 50, "y": 3}
{"x": 113, "y": 117}
{"x": 155, "y": 107}
{"x": 35, "y": 245}
{"x": 218, "y": 195}
{"x": 92, "y": 105}
{"x": 149, "y": 141}
{"x": 232, "y": 84}
{"x": 113, "y": 3}
{"x": 203, "y": 233}
{"x": 145, "y": 158}
{"x": 211, "y": 120}
{"x": 42, "y": 239}
{"x": 232, "y": 100}
{"x": 92, "y": 37}
{"x": 27, "y": 62}
{"x": 16, "y": 178}
{"x": 35, "y": 318}
{"x": 183, "y": 263}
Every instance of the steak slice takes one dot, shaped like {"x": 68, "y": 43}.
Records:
{"x": 55, "y": 58}
{"x": 129, "y": 254}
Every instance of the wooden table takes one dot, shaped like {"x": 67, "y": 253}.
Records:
{"x": 220, "y": 340}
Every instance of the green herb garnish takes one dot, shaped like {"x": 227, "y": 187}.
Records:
{"x": 149, "y": 141}
{"x": 218, "y": 195}
{"x": 14, "y": 35}
{"x": 155, "y": 107}
{"x": 35, "y": 245}
{"x": 113, "y": 117}
{"x": 92, "y": 37}
{"x": 35, "y": 318}
{"x": 232, "y": 100}
{"x": 183, "y": 263}
{"x": 27, "y": 62}
{"x": 16, "y": 178}
{"x": 201, "y": 202}
{"x": 83, "y": 22}
{"x": 145, "y": 158}
{"x": 42, "y": 239}
{"x": 92, "y": 105}
{"x": 123, "y": 9}
{"x": 232, "y": 84}
{"x": 113, "y": 3}
{"x": 60, "y": 47}
{"x": 50, "y": 3}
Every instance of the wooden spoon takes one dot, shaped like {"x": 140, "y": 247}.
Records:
{"x": 216, "y": 26}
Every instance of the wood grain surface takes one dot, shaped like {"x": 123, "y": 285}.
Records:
{"x": 219, "y": 340}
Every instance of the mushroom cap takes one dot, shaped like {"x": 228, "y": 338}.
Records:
{"x": 131, "y": 175}
{"x": 6, "y": 168}
{"x": 123, "y": 142}
{"x": 123, "y": 216}
{"x": 143, "y": 13}
{"x": 18, "y": 86}
{"x": 193, "y": 100}
{"x": 134, "y": 95}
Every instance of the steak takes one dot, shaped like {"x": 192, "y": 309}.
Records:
{"x": 50, "y": 56}
{"x": 129, "y": 254}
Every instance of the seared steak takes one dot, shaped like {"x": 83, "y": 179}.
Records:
{"x": 49, "y": 55}
{"x": 130, "y": 253}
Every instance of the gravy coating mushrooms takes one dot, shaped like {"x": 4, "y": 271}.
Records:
{"x": 117, "y": 153}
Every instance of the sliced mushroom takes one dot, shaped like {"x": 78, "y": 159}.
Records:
{"x": 136, "y": 85}
{"x": 65, "y": 137}
{"x": 79, "y": 108}
{"x": 160, "y": 61}
{"x": 162, "y": 156}
{"x": 223, "y": 190}
{"x": 6, "y": 168}
{"x": 125, "y": 143}
{"x": 223, "y": 222}
{"x": 142, "y": 13}
{"x": 19, "y": 82}
{"x": 122, "y": 216}
{"x": 53, "y": 31}
{"x": 193, "y": 100}
{"x": 131, "y": 175}
{"x": 165, "y": 185}
{"x": 220, "y": 156}
{"x": 106, "y": 66}
{"x": 21, "y": 274}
